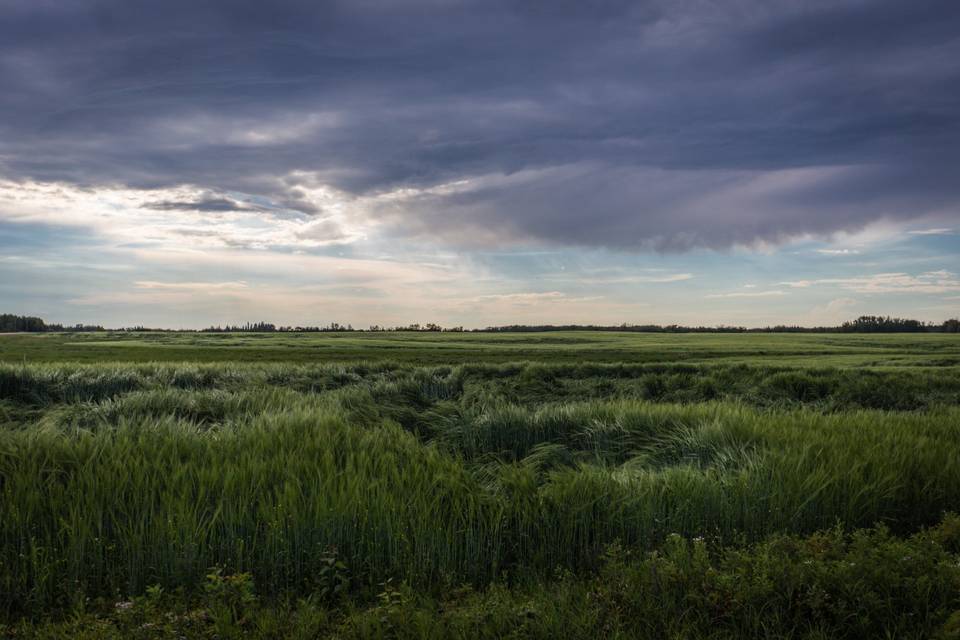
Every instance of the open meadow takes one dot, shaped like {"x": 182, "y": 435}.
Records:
{"x": 427, "y": 348}
{"x": 557, "y": 484}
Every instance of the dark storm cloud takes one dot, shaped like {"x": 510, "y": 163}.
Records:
{"x": 205, "y": 204}
{"x": 622, "y": 124}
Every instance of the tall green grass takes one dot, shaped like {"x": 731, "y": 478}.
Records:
{"x": 159, "y": 501}
{"x": 137, "y": 475}
{"x": 827, "y": 586}
{"x": 827, "y": 389}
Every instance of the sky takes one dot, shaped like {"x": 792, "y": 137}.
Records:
{"x": 189, "y": 163}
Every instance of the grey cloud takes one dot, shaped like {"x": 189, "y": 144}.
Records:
{"x": 205, "y": 204}
{"x": 323, "y": 230}
{"x": 292, "y": 206}
{"x": 617, "y": 124}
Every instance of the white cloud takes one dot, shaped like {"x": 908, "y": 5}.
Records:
{"x": 941, "y": 281}
{"x": 931, "y": 232}
{"x": 833, "y": 313}
{"x": 748, "y": 294}
{"x": 534, "y": 297}
{"x": 177, "y": 217}
{"x": 191, "y": 286}
{"x": 544, "y": 295}
{"x": 674, "y": 277}
{"x": 838, "y": 252}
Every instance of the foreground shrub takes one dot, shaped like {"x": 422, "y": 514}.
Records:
{"x": 869, "y": 584}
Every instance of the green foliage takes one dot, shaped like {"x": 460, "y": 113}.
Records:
{"x": 333, "y": 578}
{"x": 546, "y": 499}
{"x": 437, "y": 476}
{"x": 867, "y": 584}
{"x": 430, "y": 348}
{"x": 229, "y": 599}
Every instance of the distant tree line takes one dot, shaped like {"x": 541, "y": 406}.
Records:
{"x": 863, "y": 324}
{"x": 636, "y": 328}
{"x": 880, "y": 324}
{"x": 10, "y": 323}
{"x": 266, "y": 327}
{"x": 256, "y": 327}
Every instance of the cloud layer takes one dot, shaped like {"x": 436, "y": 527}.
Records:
{"x": 667, "y": 125}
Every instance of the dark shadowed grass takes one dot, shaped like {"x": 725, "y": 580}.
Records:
{"x": 826, "y": 586}
{"x": 414, "y": 389}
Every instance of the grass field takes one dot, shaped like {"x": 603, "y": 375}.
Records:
{"x": 847, "y": 350}
{"x": 479, "y": 485}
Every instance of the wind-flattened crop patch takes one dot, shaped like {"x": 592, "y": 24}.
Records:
{"x": 117, "y": 477}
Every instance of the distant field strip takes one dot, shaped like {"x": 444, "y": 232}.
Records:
{"x": 842, "y": 350}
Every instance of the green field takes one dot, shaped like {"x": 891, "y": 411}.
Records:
{"x": 573, "y": 484}
{"x": 842, "y": 350}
